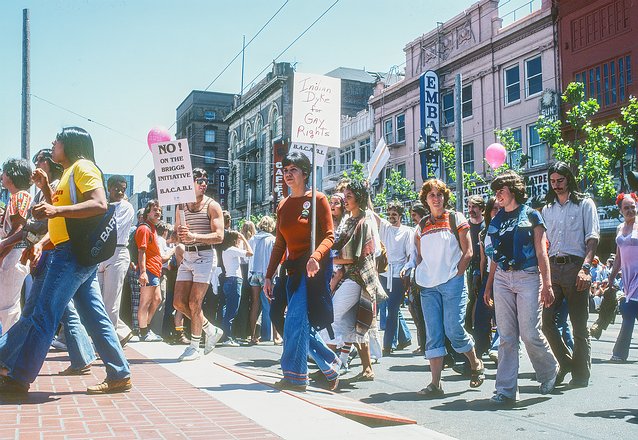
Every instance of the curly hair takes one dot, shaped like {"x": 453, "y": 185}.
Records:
{"x": 361, "y": 191}
{"x": 395, "y": 205}
{"x": 514, "y": 182}
{"x": 432, "y": 184}
{"x": 267, "y": 224}
{"x": 622, "y": 196}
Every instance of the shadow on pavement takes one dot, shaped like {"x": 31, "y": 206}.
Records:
{"x": 630, "y": 414}
{"x": 33, "y": 398}
{"x": 404, "y": 396}
{"x": 486, "y": 405}
{"x": 258, "y": 363}
{"x": 414, "y": 368}
{"x": 257, "y": 386}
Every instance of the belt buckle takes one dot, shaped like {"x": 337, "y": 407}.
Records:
{"x": 562, "y": 259}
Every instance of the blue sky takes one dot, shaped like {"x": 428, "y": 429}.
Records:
{"x": 128, "y": 64}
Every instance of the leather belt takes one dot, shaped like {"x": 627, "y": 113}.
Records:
{"x": 197, "y": 248}
{"x": 565, "y": 259}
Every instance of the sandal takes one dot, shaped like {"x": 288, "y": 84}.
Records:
{"x": 477, "y": 377}
{"x": 431, "y": 392}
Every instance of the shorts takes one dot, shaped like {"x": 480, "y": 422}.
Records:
{"x": 153, "y": 280}
{"x": 256, "y": 279}
{"x": 197, "y": 266}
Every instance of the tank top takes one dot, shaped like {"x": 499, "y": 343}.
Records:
{"x": 198, "y": 221}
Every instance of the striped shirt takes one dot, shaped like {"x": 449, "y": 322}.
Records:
{"x": 199, "y": 221}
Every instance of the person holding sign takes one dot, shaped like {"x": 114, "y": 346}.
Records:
{"x": 309, "y": 271}
{"x": 199, "y": 225}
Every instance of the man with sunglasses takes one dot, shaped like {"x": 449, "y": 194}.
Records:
{"x": 111, "y": 273}
{"x": 199, "y": 226}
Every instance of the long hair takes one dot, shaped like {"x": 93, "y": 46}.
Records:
{"x": 77, "y": 144}
{"x": 55, "y": 168}
{"x": 563, "y": 169}
{"x": 514, "y": 182}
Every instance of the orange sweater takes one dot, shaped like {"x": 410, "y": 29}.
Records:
{"x": 293, "y": 229}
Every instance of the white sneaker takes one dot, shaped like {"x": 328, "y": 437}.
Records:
{"x": 230, "y": 343}
{"x": 190, "y": 354}
{"x": 212, "y": 337}
{"x": 151, "y": 337}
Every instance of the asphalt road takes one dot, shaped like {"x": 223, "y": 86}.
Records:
{"x": 607, "y": 409}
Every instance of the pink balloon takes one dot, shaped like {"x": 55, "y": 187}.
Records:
{"x": 157, "y": 134}
{"x": 495, "y": 155}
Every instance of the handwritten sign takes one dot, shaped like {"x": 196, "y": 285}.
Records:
{"x": 316, "y": 110}
{"x": 320, "y": 152}
{"x": 173, "y": 172}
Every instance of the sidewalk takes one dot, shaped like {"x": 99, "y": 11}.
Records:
{"x": 201, "y": 399}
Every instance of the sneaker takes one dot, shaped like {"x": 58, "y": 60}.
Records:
{"x": 151, "y": 337}
{"x": 404, "y": 345}
{"x": 212, "y": 338}
{"x": 58, "y": 346}
{"x": 493, "y": 355}
{"x": 111, "y": 386}
{"x": 616, "y": 360}
{"x": 548, "y": 386}
{"x": 502, "y": 400}
{"x": 343, "y": 369}
{"x": 125, "y": 340}
{"x": 230, "y": 343}
{"x": 190, "y": 354}
{"x": 70, "y": 371}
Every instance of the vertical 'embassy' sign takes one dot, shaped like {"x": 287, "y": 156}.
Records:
{"x": 429, "y": 104}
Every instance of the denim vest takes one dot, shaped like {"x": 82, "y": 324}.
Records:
{"x": 524, "y": 251}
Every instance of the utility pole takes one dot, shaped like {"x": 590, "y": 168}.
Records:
{"x": 458, "y": 140}
{"x": 26, "y": 88}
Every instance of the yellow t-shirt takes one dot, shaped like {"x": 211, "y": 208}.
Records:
{"x": 87, "y": 178}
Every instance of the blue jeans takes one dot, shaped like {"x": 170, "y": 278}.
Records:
{"x": 444, "y": 313}
{"x": 266, "y": 323}
{"x": 300, "y": 340}
{"x": 24, "y": 347}
{"x": 483, "y": 315}
{"x": 563, "y": 326}
{"x": 232, "y": 295}
{"x": 396, "y": 329}
{"x": 629, "y": 311}
{"x": 78, "y": 344}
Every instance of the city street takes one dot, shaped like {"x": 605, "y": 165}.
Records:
{"x": 218, "y": 397}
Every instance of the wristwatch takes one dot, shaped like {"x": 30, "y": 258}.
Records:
{"x": 586, "y": 267}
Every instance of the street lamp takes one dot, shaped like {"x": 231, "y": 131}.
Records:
{"x": 429, "y": 154}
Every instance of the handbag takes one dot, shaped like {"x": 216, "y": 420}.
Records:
{"x": 93, "y": 239}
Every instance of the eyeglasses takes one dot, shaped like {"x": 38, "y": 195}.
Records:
{"x": 201, "y": 181}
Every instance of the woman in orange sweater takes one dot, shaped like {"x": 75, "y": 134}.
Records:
{"x": 309, "y": 270}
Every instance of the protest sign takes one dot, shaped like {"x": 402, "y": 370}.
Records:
{"x": 316, "y": 110}
{"x": 320, "y": 152}
{"x": 173, "y": 172}
{"x": 379, "y": 158}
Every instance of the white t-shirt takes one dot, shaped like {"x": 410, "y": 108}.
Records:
{"x": 124, "y": 214}
{"x": 440, "y": 251}
{"x": 398, "y": 245}
{"x": 232, "y": 261}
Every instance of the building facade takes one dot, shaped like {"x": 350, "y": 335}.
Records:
{"x": 260, "y": 130}
{"x": 200, "y": 119}
{"x": 598, "y": 47}
{"x": 509, "y": 77}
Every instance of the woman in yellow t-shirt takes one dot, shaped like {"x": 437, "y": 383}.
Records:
{"x": 24, "y": 348}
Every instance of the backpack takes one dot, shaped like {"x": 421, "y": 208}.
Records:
{"x": 132, "y": 244}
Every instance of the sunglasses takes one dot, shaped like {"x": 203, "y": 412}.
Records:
{"x": 201, "y": 181}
